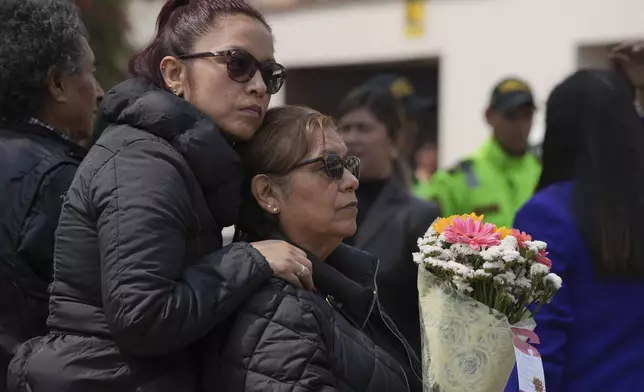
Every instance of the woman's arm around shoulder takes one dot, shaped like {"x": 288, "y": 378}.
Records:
{"x": 153, "y": 303}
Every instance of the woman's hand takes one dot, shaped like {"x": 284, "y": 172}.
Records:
{"x": 288, "y": 262}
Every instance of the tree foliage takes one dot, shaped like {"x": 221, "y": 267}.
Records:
{"x": 107, "y": 24}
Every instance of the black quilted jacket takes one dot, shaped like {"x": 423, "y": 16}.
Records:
{"x": 139, "y": 274}
{"x": 334, "y": 339}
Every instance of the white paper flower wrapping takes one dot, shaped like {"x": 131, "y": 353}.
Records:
{"x": 466, "y": 346}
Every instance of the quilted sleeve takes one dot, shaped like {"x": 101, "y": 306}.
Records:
{"x": 276, "y": 343}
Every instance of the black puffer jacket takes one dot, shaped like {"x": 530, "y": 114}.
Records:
{"x": 135, "y": 279}
{"x": 335, "y": 339}
{"x": 37, "y": 166}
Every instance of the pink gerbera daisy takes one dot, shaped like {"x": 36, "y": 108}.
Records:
{"x": 521, "y": 237}
{"x": 472, "y": 232}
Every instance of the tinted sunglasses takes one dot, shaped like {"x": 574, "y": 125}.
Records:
{"x": 242, "y": 66}
{"x": 334, "y": 165}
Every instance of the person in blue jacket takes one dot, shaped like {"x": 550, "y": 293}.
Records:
{"x": 589, "y": 208}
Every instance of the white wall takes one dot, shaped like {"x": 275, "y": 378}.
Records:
{"x": 477, "y": 41}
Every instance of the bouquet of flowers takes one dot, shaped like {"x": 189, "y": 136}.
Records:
{"x": 477, "y": 283}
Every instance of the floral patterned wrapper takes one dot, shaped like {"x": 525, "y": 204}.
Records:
{"x": 466, "y": 346}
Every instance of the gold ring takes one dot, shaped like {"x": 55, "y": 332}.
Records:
{"x": 302, "y": 271}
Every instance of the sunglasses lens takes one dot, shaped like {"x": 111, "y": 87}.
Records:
{"x": 334, "y": 166}
{"x": 241, "y": 66}
{"x": 352, "y": 164}
{"x": 273, "y": 75}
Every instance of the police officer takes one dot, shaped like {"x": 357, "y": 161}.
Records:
{"x": 502, "y": 174}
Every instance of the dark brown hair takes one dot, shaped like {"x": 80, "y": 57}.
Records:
{"x": 287, "y": 136}
{"x": 179, "y": 24}
{"x": 594, "y": 139}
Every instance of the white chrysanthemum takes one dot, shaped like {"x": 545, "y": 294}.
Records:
{"x": 554, "y": 280}
{"x": 462, "y": 250}
{"x": 537, "y": 270}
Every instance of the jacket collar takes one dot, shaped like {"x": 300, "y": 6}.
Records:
{"x": 215, "y": 164}
{"x": 73, "y": 150}
{"x": 387, "y": 204}
{"x": 346, "y": 279}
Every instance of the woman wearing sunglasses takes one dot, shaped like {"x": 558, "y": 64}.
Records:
{"x": 138, "y": 273}
{"x": 300, "y": 186}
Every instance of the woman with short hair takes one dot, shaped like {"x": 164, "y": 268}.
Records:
{"x": 300, "y": 186}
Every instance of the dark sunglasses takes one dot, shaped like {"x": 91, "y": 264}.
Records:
{"x": 334, "y": 165}
{"x": 242, "y": 66}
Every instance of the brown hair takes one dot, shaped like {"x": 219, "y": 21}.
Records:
{"x": 179, "y": 24}
{"x": 287, "y": 136}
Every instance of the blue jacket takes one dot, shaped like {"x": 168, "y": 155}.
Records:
{"x": 592, "y": 333}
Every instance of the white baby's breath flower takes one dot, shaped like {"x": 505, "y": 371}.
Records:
{"x": 540, "y": 245}
{"x": 459, "y": 269}
{"x": 523, "y": 283}
{"x": 462, "y": 286}
{"x": 479, "y": 273}
{"x": 430, "y": 232}
{"x": 509, "y": 242}
{"x": 520, "y": 260}
{"x": 423, "y": 241}
{"x": 418, "y": 257}
{"x": 493, "y": 265}
{"x": 511, "y": 255}
{"x": 492, "y": 253}
{"x": 462, "y": 250}
{"x": 434, "y": 262}
{"x": 538, "y": 270}
{"x": 535, "y": 246}
{"x": 506, "y": 278}
{"x": 554, "y": 280}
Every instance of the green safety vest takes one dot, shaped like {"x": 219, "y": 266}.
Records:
{"x": 490, "y": 182}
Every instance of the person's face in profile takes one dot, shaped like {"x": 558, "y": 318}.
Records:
{"x": 78, "y": 95}
{"x": 512, "y": 127}
{"x": 315, "y": 205}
